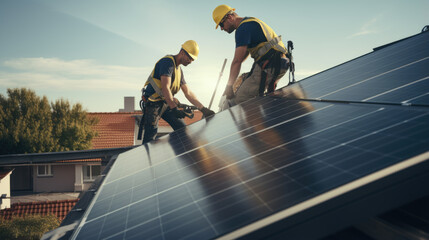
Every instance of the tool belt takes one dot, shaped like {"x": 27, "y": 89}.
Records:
{"x": 145, "y": 105}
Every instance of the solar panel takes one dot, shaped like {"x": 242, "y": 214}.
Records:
{"x": 395, "y": 74}
{"x": 275, "y": 165}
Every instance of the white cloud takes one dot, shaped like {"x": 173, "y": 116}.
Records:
{"x": 80, "y": 74}
{"x": 367, "y": 28}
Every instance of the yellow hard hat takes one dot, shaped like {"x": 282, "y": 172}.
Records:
{"x": 220, "y": 12}
{"x": 191, "y": 47}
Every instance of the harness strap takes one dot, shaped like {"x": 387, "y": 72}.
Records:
{"x": 273, "y": 83}
{"x": 273, "y": 63}
{"x": 142, "y": 120}
{"x": 262, "y": 83}
{"x": 291, "y": 63}
{"x": 155, "y": 87}
{"x": 272, "y": 43}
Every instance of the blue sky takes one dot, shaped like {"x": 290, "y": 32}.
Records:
{"x": 95, "y": 52}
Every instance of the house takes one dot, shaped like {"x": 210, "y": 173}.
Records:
{"x": 115, "y": 130}
{"x": 5, "y": 188}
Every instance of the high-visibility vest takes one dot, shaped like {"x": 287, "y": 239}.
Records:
{"x": 273, "y": 41}
{"x": 156, "y": 83}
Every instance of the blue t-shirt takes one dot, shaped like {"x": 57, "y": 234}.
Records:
{"x": 164, "y": 67}
{"x": 249, "y": 34}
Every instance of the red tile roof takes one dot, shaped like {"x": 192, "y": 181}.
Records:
{"x": 117, "y": 129}
{"x": 59, "y": 208}
{"x": 114, "y": 130}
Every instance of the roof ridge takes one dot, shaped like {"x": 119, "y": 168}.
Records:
{"x": 43, "y": 202}
{"x": 138, "y": 111}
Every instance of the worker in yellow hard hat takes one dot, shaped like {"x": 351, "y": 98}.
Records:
{"x": 163, "y": 83}
{"x": 255, "y": 38}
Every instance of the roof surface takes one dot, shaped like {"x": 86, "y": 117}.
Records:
{"x": 59, "y": 208}
{"x": 114, "y": 130}
{"x": 4, "y": 173}
{"x": 117, "y": 129}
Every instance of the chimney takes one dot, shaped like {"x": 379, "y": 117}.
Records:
{"x": 128, "y": 105}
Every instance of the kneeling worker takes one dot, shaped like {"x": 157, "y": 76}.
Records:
{"x": 164, "y": 82}
{"x": 255, "y": 38}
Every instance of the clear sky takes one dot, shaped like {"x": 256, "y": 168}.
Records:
{"x": 95, "y": 52}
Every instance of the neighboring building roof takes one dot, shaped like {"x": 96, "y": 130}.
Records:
{"x": 114, "y": 130}
{"x": 117, "y": 129}
{"x": 4, "y": 173}
{"x": 59, "y": 208}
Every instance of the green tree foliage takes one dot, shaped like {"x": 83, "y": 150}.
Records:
{"x": 29, "y": 227}
{"x": 72, "y": 130}
{"x": 29, "y": 124}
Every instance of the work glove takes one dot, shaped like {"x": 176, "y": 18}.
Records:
{"x": 229, "y": 92}
{"x": 207, "y": 112}
{"x": 178, "y": 113}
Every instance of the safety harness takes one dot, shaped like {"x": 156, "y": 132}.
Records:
{"x": 158, "y": 96}
{"x": 273, "y": 41}
{"x": 268, "y": 54}
{"x": 145, "y": 102}
{"x": 272, "y": 59}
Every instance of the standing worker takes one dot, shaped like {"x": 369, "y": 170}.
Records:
{"x": 254, "y": 37}
{"x": 164, "y": 82}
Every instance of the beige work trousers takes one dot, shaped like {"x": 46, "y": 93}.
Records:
{"x": 249, "y": 87}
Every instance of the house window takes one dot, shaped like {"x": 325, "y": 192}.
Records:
{"x": 44, "y": 170}
{"x": 90, "y": 172}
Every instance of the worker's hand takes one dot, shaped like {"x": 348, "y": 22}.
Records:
{"x": 178, "y": 113}
{"x": 207, "y": 112}
{"x": 229, "y": 92}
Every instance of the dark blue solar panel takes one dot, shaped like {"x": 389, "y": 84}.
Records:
{"x": 395, "y": 74}
{"x": 280, "y": 154}
{"x": 269, "y": 154}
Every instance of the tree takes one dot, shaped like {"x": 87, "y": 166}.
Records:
{"x": 29, "y": 227}
{"x": 29, "y": 124}
{"x": 72, "y": 129}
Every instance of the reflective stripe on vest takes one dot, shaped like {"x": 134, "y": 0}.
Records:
{"x": 273, "y": 41}
{"x": 156, "y": 83}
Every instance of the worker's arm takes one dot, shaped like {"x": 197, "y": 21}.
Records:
{"x": 191, "y": 96}
{"x": 240, "y": 55}
{"x": 193, "y": 99}
{"x": 166, "y": 92}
